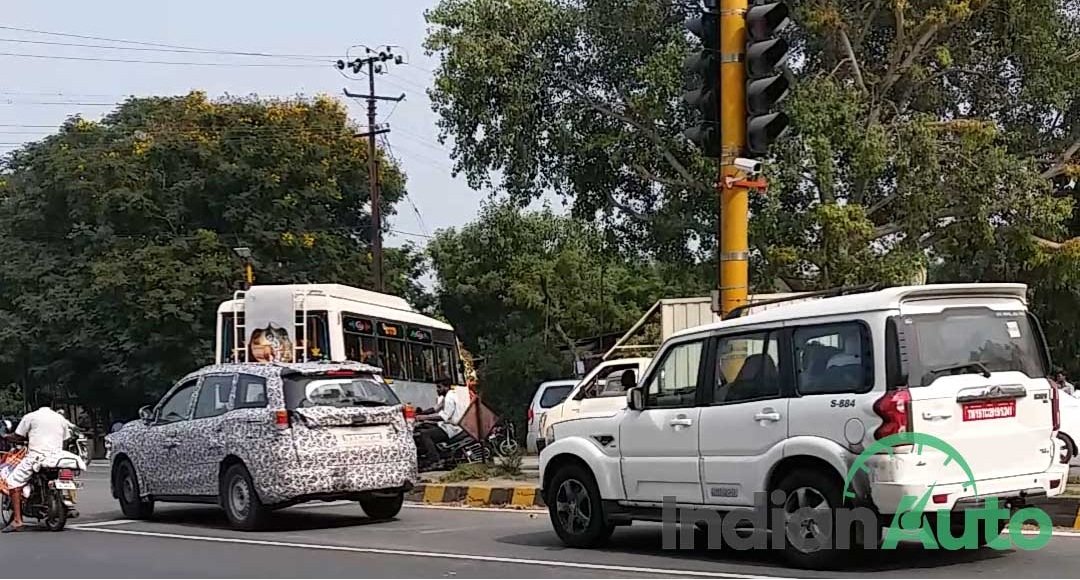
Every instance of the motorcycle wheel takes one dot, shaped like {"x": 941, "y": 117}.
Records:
{"x": 508, "y": 447}
{"x": 7, "y": 510}
{"x": 55, "y": 511}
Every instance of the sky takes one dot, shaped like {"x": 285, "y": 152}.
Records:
{"x": 45, "y": 91}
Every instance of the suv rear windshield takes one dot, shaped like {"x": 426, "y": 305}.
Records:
{"x": 316, "y": 391}
{"x": 554, "y": 395}
{"x": 996, "y": 340}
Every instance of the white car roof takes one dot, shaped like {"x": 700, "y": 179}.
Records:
{"x": 885, "y": 299}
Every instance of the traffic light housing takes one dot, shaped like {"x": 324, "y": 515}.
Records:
{"x": 702, "y": 70}
{"x": 767, "y": 79}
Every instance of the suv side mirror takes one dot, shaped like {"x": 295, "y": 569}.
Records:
{"x": 146, "y": 414}
{"x": 635, "y": 399}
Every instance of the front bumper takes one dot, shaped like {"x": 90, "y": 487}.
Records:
{"x": 297, "y": 484}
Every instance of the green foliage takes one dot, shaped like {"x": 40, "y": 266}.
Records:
{"x": 466, "y": 472}
{"x": 116, "y": 236}
{"x": 925, "y": 134}
{"x": 510, "y": 465}
{"x": 519, "y": 286}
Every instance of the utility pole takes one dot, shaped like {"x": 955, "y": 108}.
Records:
{"x": 739, "y": 85}
{"x": 734, "y": 202}
{"x": 374, "y": 61}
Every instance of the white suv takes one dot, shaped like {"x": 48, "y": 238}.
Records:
{"x": 789, "y": 398}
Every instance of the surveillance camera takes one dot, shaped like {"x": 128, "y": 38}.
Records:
{"x": 750, "y": 166}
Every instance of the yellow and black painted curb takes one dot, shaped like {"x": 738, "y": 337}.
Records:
{"x": 1063, "y": 511}
{"x": 477, "y": 495}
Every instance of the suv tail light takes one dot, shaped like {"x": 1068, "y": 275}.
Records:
{"x": 410, "y": 414}
{"x": 66, "y": 474}
{"x": 281, "y": 419}
{"x": 1055, "y": 407}
{"x": 529, "y": 415}
{"x": 895, "y": 411}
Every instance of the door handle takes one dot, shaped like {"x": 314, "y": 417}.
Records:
{"x": 254, "y": 420}
{"x": 681, "y": 422}
{"x": 215, "y": 447}
{"x": 927, "y": 415}
{"x": 772, "y": 416}
{"x": 171, "y": 445}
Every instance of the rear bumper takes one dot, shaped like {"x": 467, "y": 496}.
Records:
{"x": 1016, "y": 490}
{"x": 295, "y": 485}
{"x": 541, "y": 443}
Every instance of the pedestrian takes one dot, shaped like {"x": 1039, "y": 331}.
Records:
{"x": 1063, "y": 383}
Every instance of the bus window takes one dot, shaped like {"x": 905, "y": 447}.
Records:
{"x": 360, "y": 348}
{"x": 230, "y": 352}
{"x": 317, "y": 337}
{"x": 392, "y": 353}
{"x": 444, "y": 363}
{"x": 421, "y": 363}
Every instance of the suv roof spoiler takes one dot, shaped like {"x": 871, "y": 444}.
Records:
{"x": 840, "y": 291}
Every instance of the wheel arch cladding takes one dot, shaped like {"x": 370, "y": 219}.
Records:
{"x": 795, "y": 463}
{"x": 556, "y": 464}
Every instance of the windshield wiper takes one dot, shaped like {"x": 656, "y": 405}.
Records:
{"x": 973, "y": 366}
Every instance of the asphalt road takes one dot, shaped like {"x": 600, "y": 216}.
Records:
{"x": 335, "y": 540}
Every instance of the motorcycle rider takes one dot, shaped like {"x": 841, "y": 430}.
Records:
{"x": 45, "y": 431}
{"x": 445, "y": 421}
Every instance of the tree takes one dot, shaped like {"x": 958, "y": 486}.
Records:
{"x": 929, "y": 130}
{"x": 116, "y": 236}
{"x": 935, "y": 134}
{"x": 514, "y": 283}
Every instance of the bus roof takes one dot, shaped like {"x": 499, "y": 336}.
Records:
{"x": 349, "y": 299}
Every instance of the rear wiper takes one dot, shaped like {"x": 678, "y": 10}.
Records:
{"x": 973, "y": 366}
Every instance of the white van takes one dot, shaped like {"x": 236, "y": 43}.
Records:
{"x": 600, "y": 393}
{"x": 809, "y": 400}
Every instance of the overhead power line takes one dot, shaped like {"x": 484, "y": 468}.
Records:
{"x": 165, "y": 62}
{"x": 145, "y": 49}
{"x": 163, "y": 45}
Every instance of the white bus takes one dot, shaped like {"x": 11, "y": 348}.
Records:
{"x": 311, "y": 322}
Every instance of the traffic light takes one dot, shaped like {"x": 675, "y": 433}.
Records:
{"x": 767, "y": 80}
{"x": 703, "y": 92}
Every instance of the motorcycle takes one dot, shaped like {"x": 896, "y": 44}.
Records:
{"x": 462, "y": 448}
{"x": 49, "y": 497}
{"x": 502, "y": 441}
{"x": 76, "y": 444}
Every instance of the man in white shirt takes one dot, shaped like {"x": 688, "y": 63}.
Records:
{"x": 44, "y": 431}
{"x": 446, "y": 419}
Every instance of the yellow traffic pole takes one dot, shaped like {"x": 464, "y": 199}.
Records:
{"x": 734, "y": 267}
{"x": 249, "y": 274}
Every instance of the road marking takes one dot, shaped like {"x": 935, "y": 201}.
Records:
{"x": 474, "y": 509}
{"x": 106, "y": 523}
{"x": 422, "y": 554}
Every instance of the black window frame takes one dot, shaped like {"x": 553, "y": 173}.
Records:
{"x": 236, "y": 392}
{"x": 202, "y": 387}
{"x": 869, "y": 357}
{"x": 783, "y": 365}
{"x": 194, "y": 384}
{"x": 704, "y": 342}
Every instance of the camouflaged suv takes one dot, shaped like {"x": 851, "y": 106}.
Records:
{"x": 258, "y": 437}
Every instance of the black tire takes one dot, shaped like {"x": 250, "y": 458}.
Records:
{"x": 55, "y": 512}
{"x": 382, "y": 507}
{"x": 574, "y": 495}
{"x": 7, "y": 512}
{"x": 127, "y": 491}
{"x": 814, "y": 548}
{"x": 1070, "y": 447}
{"x": 240, "y": 500}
